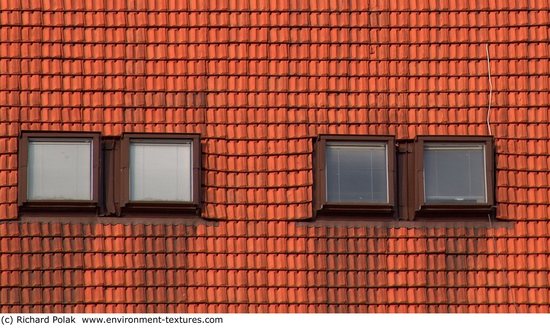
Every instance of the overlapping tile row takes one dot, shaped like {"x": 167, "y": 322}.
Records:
{"x": 260, "y": 81}
{"x": 249, "y": 266}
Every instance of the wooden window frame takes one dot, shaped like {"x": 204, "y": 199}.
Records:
{"x": 351, "y": 210}
{"x": 27, "y": 205}
{"x": 125, "y": 206}
{"x": 453, "y": 209}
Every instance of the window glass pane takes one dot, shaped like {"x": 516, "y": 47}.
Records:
{"x": 59, "y": 170}
{"x": 454, "y": 172}
{"x": 160, "y": 171}
{"x": 357, "y": 172}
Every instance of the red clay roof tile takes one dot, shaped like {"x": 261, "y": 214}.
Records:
{"x": 259, "y": 80}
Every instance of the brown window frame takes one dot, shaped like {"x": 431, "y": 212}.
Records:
{"x": 347, "y": 210}
{"x": 128, "y": 207}
{"x": 26, "y": 205}
{"x": 452, "y": 209}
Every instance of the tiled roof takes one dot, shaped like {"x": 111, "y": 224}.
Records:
{"x": 273, "y": 266}
{"x": 259, "y": 80}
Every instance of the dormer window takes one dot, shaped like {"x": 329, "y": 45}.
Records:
{"x": 160, "y": 173}
{"x": 59, "y": 171}
{"x": 454, "y": 176}
{"x": 455, "y": 173}
{"x": 355, "y": 175}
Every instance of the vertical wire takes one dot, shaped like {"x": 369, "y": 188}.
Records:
{"x": 488, "y": 122}
{"x": 490, "y": 89}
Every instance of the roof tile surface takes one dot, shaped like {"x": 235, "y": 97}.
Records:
{"x": 259, "y": 80}
{"x": 378, "y": 268}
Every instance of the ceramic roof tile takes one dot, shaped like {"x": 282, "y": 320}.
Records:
{"x": 259, "y": 80}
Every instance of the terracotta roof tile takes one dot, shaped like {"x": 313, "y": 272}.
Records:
{"x": 259, "y": 80}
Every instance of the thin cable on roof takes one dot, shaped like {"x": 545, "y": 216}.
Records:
{"x": 490, "y": 89}
{"x": 511, "y": 290}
